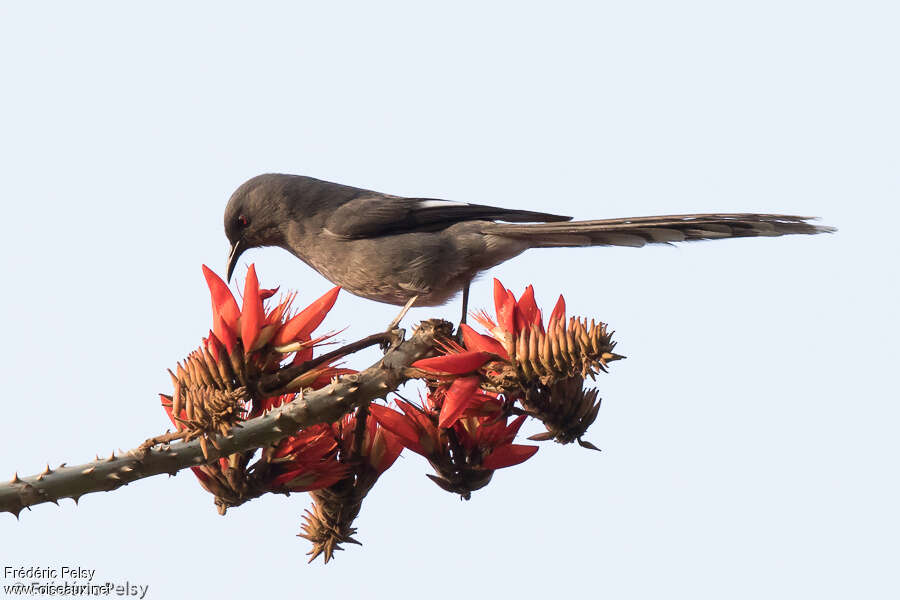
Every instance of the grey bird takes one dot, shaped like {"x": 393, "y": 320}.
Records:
{"x": 425, "y": 251}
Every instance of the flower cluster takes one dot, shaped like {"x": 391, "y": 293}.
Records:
{"x": 218, "y": 386}
{"x": 540, "y": 368}
{"x": 466, "y": 454}
{"x": 259, "y": 355}
{"x": 211, "y": 385}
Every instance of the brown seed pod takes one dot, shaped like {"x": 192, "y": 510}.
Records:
{"x": 565, "y": 408}
{"x": 329, "y": 523}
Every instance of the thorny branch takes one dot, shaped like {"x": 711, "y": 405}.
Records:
{"x": 158, "y": 456}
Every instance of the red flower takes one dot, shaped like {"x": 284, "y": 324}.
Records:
{"x": 473, "y": 340}
{"x": 413, "y": 427}
{"x": 518, "y": 322}
{"x": 465, "y": 455}
{"x": 559, "y": 311}
{"x": 492, "y": 438}
{"x": 488, "y": 438}
{"x": 457, "y": 398}
{"x": 454, "y": 363}
{"x": 300, "y": 327}
{"x": 513, "y": 317}
{"x": 254, "y": 326}
{"x": 505, "y": 307}
{"x": 379, "y": 448}
{"x": 459, "y": 395}
{"x": 225, "y": 309}
{"x": 320, "y": 456}
{"x": 251, "y": 311}
{"x": 307, "y": 461}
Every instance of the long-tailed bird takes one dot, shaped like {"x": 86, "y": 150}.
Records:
{"x": 424, "y": 251}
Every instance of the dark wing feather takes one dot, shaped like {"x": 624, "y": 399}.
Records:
{"x": 377, "y": 215}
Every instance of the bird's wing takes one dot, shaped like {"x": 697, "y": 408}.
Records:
{"x": 376, "y": 215}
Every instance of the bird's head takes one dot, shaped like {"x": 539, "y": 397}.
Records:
{"x": 255, "y": 216}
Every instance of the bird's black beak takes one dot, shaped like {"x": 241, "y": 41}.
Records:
{"x": 236, "y": 251}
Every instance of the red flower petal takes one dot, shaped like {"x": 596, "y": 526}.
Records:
{"x": 385, "y": 446}
{"x": 559, "y": 311}
{"x": 456, "y": 364}
{"x": 481, "y": 343}
{"x": 527, "y": 312}
{"x": 223, "y": 302}
{"x": 305, "y": 322}
{"x": 484, "y": 406}
{"x": 512, "y": 429}
{"x": 201, "y": 475}
{"x": 265, "y": 294}
{"x": 457, "y": 399}
{"x": 314, "y": 443}
{"x": 224, "y": 333}
{"x": 507, "y": 456}
{"x": 212, "y": 345}
{"x": 251, "y": 311}
{"x": 505, "y": 307}
{"x": 398, "y": 424}
{"x": 499, "y": 295}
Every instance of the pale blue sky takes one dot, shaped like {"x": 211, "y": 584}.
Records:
{"x": 749, "y": 441}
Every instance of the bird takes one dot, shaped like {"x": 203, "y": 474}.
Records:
{"x": 424, "y": 251}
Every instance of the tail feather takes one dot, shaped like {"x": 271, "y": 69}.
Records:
{"x": 638, "y": 231}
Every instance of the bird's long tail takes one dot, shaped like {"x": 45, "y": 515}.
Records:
{"x": 637, "y": 231}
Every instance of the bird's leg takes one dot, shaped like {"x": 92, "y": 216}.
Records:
{"x": 402, "y": 314}
{"x": 465, "y": 310}
{"x": 465, "y": 307}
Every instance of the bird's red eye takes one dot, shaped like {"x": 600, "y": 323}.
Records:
{"x": 244, "y": 221}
